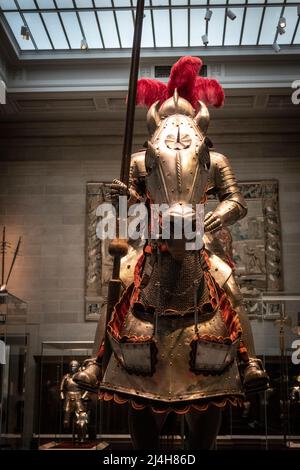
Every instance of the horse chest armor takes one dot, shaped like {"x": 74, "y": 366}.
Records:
{"x": 160, "y": 369}
{"x": 171, "y": 283}
{"x": 172, "y": 381}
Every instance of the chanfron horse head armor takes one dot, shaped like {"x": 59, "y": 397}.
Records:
{"x": 177, "y": 158}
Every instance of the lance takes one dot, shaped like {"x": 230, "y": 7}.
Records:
{"x": 118, "y": 247}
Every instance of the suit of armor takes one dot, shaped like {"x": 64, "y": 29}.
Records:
{"x": 72, "y": 395}
{"x": 179, "y": 181}
{"x": 295, "y": 391}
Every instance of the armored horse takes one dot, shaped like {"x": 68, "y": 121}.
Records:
{"x": 180, "y": 336}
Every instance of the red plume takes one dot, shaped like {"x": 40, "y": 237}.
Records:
{"x": 185, "y": 77}
{"x": 150, "y": 90}
{"x": 209, "y": 91}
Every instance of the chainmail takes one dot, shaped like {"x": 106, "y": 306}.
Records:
{"x": 171, "y": 284}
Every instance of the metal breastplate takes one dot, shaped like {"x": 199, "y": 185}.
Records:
{"x": 71, "y": 386}
{"x": 73, "y": 396}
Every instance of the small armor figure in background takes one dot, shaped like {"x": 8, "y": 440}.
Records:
{"x": 295, "y": 391}
{"x": 75, "y": 403}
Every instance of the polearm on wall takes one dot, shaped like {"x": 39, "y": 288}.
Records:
{"x": 118, "y": 247}
{"x": 16, "y": 252}
{"x": 3, "y": 246}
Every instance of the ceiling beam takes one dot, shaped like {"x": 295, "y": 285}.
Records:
{"x": 153, "y": 7}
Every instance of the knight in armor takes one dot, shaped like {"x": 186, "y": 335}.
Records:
{"x": 295, "y": 391}
{"x": 73, "y": 397}
{"x": 180, "y": 331}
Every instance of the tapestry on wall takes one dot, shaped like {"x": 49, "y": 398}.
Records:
{"x": 255, "y": 246}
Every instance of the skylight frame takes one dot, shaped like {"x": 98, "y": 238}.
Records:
{"x": 151, "y": 8}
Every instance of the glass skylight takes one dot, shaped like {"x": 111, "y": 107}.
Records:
{"x": 109, "y": 24}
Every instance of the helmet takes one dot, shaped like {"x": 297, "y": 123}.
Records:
{"x": 73, "y": 366}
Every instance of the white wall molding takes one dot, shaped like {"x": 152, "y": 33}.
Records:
{"x": 98, "y": 76}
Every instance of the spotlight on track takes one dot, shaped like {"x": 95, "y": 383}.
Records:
{"x": 205, "y": 39}
{"x": 25, "y": 33}
{"x": 280, "y": 30}
{"x": 276, "y": 47}
{"x": 282, "y": 22}
{"x": 231, "y": 15}
{"x": 84, "y": 45}
{"x": 208, "y": 14}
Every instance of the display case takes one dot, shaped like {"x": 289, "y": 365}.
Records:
{"x": 13, "y": 353}
{"x": 65, "y": 417}
{"x": 267, "y": 420}
{"x": 271, "y": 419}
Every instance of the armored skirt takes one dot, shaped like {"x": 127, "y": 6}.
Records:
{"x": 175, "y": 338}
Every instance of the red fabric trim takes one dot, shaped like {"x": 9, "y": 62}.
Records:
{"x": 165, "y": 408}
{"x": 119, "y": 314}
{"x": 100, "y": 352}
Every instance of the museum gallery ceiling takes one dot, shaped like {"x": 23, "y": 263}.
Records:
{"x": 64, "y": 25}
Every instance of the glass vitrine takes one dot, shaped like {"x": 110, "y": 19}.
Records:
{"x": 271, "y": 419}
{"x": 13, "y": 351}
{"x": 61, "y": 404}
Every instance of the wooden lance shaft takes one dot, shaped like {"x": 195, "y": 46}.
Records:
{"x": 119, "y": 247}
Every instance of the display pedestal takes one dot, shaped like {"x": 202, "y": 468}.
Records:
{"x": 293, "y": 444}
{"x": 69, "y": 445}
